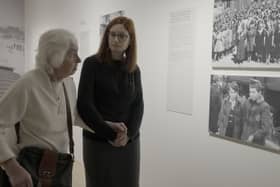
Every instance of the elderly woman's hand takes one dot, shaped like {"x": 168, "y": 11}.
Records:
{"x": 18, "y": 176}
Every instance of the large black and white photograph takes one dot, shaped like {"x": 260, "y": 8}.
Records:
{"x": 246, "y": 34}
{"x": 246, "y": 109}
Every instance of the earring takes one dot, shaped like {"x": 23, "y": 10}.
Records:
{"x": 124, "y": 55}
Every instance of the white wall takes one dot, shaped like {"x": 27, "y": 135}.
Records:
{"x": 176, "y": 149}
{"x": 11, "y": 13}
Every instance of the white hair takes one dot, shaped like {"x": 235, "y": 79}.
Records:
{"x": 52, "y": 48}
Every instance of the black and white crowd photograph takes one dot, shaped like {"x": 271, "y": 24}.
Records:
{"x": 246, "y": 109}
{"x": 246, "y": 33}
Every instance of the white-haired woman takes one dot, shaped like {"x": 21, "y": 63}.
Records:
{"x": 38, "y": 102}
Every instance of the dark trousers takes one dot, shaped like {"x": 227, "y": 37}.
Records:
{"x": 30, "y": 157}
{"x": 4, "y": 179}
{"x": 108, "y": 166}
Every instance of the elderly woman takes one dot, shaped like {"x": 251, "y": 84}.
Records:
{"x": 39, "y": 102}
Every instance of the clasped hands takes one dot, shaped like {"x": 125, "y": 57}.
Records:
{"x": 121, "y": 130}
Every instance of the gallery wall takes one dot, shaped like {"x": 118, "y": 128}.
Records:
{"x": 176, "y": 149}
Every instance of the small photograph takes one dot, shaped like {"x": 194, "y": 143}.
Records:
{"x": 7, "y": 78}
{"x": 11, "y": 56}
{"x": 246, "y": 34}
{"x": 11, "y": 49}
{"x": 246, "y": 109}
{"x": 105, "y": 19}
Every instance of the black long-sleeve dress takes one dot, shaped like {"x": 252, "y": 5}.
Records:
{"x": 108, "y": 92}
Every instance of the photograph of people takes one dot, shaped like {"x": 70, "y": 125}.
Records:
{"x": 246, "y": 34}
{"x": 110, "y": 101}
{"x": 258, "y": 125}
{"x": 249, "y": 111}
{"x": 216, "y": 97}
{"x": 231, "y": 118}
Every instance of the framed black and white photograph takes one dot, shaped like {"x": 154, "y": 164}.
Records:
{"x": 246, "y": 109}
{"x": 12, "y": 37}
{"x": 12, "y": 48}
{"x": 12, "y": 43}
{"x": 105, "y": 19}
{"x": 246, "y": 34}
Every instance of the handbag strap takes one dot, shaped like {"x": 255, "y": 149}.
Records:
{"x": 69, "y": 122}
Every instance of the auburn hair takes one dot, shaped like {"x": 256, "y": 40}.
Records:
{"x": 104, "y": 53}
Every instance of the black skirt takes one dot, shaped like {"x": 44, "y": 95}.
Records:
{"x": 108, "y": 166}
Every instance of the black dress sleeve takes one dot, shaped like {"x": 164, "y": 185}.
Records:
{"x": 137, "y": 109}
{"x": 86, "y": 102}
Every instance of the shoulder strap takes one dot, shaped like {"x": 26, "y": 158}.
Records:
{"x": 17, "y": 126}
